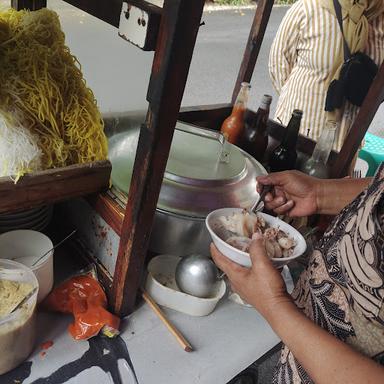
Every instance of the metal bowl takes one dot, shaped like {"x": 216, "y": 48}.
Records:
{"x": 197, "y": 275}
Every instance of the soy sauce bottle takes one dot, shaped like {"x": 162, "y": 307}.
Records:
{"x": 284, "y": 156}
{"x": 254, "y": 139}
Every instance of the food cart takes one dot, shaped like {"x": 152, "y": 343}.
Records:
{"x": 171, "y": 33}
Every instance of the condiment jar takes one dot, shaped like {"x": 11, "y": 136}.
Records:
{"x": 18, "y": 328}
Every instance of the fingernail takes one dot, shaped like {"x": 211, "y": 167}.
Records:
{"x": 268, "y": 198}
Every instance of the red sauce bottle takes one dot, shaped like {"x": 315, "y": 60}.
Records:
{"x": 233, "y": 126}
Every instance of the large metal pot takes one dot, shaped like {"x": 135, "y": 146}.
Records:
{"x": 204, "y": 173}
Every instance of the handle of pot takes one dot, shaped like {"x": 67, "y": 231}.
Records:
{"x": 209, "y": 134}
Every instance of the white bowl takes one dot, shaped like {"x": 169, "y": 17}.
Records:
{"x": 161, "y": 285}
{"x": 26, "y": 247}
{"x": 243, "y": 258}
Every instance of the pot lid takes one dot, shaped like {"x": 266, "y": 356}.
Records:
{"x": 203, "y": 172}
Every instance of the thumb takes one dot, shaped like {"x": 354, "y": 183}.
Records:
{"x": 257, "y": 250}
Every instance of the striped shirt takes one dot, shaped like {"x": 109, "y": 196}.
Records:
{"x": 301, "y": 59}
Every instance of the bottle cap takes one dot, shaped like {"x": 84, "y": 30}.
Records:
{"x": 332, "y": 125}
{"x": 297, "y": 112}
{"x": 245, "y": 84}
{"x": 267, "y": 99}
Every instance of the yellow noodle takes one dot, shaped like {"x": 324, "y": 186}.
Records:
{"x": 43, "y": 89}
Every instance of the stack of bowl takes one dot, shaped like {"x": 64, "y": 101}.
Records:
{"x": 36, "y": 219}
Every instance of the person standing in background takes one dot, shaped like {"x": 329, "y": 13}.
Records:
{"x": 307, "y": 54}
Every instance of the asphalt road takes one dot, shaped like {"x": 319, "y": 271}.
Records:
{"x": 118, "y": 72}
{"x": 218, "y": 54}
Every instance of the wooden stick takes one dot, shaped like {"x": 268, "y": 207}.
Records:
{"x": 175, "y": 332}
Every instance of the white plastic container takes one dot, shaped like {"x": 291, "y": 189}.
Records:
{"x": 17, "y": 329}
{"x": 161, "y": 285}
{"x": 26, "y": 247}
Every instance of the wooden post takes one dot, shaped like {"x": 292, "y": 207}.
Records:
{"x": 252, "y": 49}
{"x": 360, "y": 126}
{"x": 178, "y": 30}
{"x": 106, "y": 10}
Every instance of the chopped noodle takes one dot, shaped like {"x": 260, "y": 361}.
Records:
{"x": 43, "y": 91}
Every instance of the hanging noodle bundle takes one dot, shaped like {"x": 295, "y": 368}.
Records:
{"x": 43, "y": 90}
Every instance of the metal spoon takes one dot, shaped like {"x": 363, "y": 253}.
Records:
{"x": 55, "y": 246}
{"x": 24, "y": 300}
{"x": 264, "y": 191}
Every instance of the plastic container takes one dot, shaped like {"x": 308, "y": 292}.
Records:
{"x": 17, "y": 329}
{"x": 26, "y": 247}
{"x": 161, "y": 285}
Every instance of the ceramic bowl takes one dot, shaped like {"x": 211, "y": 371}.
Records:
{"x": 161, "y": 285}
{"x": 243, "y": 258}
{"x": 26, "y": 247}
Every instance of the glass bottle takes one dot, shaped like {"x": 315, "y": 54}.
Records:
{"x": 233, "y": 125}
{"x": 316, "y": 165}
{"x": 254, "y": 139}
{"x": 284, "y": 156}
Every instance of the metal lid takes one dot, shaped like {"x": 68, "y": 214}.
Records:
{"x": 203, "y": 172}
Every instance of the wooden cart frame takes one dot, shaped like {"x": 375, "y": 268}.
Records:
{"x": 179, "y": 25}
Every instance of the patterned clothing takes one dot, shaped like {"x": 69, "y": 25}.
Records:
{"x": 301, "y": 60}
{"x": 342, "y": 289}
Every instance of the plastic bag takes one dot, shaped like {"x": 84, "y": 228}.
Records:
{"x": 83, "y": 296}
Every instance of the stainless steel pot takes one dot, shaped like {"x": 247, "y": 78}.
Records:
{"x": 204, "y": 173}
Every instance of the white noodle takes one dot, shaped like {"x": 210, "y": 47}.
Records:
{"x": 18, "y": 151}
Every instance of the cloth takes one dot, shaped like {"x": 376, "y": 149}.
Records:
{"x": 342, "y": 289}
{"x": 302, "y": 59}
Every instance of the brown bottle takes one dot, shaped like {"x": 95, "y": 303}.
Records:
{"x": 254, "y": 139}
{"x": 284, "y": 156}
{"x": 233, "y": 125}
